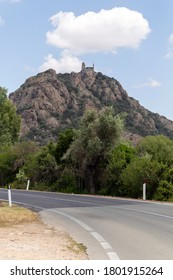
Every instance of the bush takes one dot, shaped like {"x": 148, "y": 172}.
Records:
{"x": 18, "y": 185}
{"x": 66, "y": 182}
{"x": 164, "y": 191}
{"x": 138, "y": 170}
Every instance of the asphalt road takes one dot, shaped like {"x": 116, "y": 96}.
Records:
{"x": 110, "y": 228}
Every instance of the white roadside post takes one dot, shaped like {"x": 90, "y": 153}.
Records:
{"x": 144, "y": 189}
{"x": 9, "y": 196}
{"x": 27, "y": 187}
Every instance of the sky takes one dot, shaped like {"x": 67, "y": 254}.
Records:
{"x": 129, "y": 40}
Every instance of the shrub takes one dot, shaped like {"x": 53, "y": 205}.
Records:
{"x": 66, "y": 182}
{"x": 164, "y": 191}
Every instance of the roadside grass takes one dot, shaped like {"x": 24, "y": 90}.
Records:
{"x": 77, "y": 248}
{"x": 15, "y": 215}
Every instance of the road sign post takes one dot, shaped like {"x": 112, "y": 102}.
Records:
{"x": 144, "y": 189}
{"x": 28, "y": 183}
{"x": 9, "y": 196}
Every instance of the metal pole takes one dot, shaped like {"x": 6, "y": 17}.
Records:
{"x": 9, "y": 196}
{"x": 27, "y": 187}
{"x": 144, "y": 191}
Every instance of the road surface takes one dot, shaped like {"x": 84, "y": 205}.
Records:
{"x": 110, "y": 228}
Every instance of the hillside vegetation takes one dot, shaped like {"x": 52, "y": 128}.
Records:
{"x": 87, "y": 126}
{"x": 92, "y": 158}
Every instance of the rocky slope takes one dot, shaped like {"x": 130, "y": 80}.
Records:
{"x": 50, "y": 102}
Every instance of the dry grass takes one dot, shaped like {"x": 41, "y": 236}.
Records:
{"x": 15, "y": 215}
{"x": 77, "y": 248}
{"x": 24, "y": 236}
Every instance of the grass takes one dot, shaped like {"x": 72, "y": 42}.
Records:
{"x": 15, "y": 215}
{"x": 77, "y": 248}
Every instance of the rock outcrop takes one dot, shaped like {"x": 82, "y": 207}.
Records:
{"x": 50, "y": 102}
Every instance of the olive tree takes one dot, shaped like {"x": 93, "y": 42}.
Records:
{"x": 97, "y": 135}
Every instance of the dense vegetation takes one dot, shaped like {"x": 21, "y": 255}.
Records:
{"x": 94, "y": 158}
{"x": 9, "y": 120}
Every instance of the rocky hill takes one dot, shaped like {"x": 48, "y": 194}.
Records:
{"x": 50, "y": 102}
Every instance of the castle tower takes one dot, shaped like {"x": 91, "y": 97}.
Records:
{"x": 83, "y": 66}
{"x": 88, "y": 70}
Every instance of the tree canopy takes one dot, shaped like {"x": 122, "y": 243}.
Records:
{"x": 91, "y": 159}
{"x": 9, "y": 120}
{"x": 97, "y": 134}
{"x": 159, "y": 147}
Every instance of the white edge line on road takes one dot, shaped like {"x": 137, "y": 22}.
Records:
{"x": 105, "y": 245}
{"x": 22, "y": 203}
{"x": 142, "y": 211}
{"x": 98, "y": 237}
{"x": 113, "y": 256}
{"x": 58, "y": 199}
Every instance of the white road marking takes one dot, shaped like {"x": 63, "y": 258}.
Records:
{"x": 142, "y": 211}
{"x": 97, "y": 236}
{"x": 113, "y": 256}
{"x": 82, "y": 224}
{"x": 25, "y": 204}
{"x": 105, "y": 245}
{"x": 58, "y": 199}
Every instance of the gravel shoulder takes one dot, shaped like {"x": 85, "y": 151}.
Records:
{"x": 33, "y": 240}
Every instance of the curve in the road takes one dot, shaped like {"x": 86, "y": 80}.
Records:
{"x": 123, "y": 229}
{"x": 105, "y": 245}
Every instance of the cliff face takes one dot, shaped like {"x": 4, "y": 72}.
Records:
{"x": 50, "y": 102}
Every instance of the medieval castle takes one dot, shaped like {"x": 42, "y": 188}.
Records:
{"x": 87, "y": 69}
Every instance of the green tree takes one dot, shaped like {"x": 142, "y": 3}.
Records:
{"x": 9, "y": 120}
{"x": 139, "y": 169}
{"x": 13, "y": 158}
{"x": 41, "y": 167}
{"x": 159, "y": 147}
{"x": 7, "y": 159}
{"x": 21, "y": 176}
{"x": 66, "y": 181}
{"x": 23, "y": 151}
{"x": 118, "y": 160}
{"x": 168, "y": 175}
{"x": 97, "y": 135}
{"x": 65, "y": 138}
{"x": 164, "y": 191}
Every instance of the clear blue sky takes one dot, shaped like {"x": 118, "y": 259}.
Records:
{"x": 130, "y": 40}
